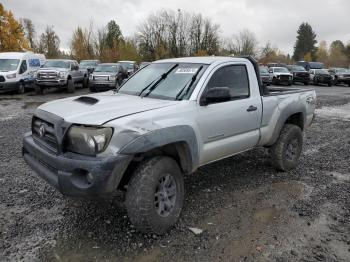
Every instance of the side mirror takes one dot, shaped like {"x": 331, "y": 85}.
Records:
{"x": 216, "y": 95}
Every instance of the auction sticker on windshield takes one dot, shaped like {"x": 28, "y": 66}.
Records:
{"x": 186, "y": 70}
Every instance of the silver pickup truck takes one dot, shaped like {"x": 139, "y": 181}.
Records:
{"x": 60, "y": 73}
{"x": 170, "y": 118}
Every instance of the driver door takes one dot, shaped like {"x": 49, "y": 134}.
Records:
{"x": 230, "y": 127}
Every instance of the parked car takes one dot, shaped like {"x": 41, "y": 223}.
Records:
{"x": 340, "y": 75}
{"x": 130, "y": 66}
{"x": 166, "y": 121}
{"x": 106, "y": 76}
{"x": 265, "y": 76}
{"x": 89, "y": 65}
{"x": 60, "y": 73}
{"x": 280, "y": 75}
{"x": 320, "y": 76}
{"x": 311, "y": 65}
{"x": 143, "y": 64}
{"x": 17, "y": 70}
{"x": 300, "y": 75}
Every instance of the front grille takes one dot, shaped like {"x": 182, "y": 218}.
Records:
{"x": 47, "y": 75}
{"x": 284, "y": 78}
{"x": 101, "y": 78}
{"x": 2, "y": 79}
{"x": 44, "y": 132}
{"x": 302, "y": 74}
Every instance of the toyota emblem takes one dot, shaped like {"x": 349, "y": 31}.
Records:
{"x": 42, "y": 130}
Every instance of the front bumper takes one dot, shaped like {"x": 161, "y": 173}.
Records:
{"x": 302, "y": 79}
{"x": 102, "y": 84}
{"x": 68, "y": 172}
{"x": 56, "y": 82}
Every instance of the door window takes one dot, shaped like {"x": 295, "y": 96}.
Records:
{"x": 235, "y": 77}
{"x": 23, "y": 67}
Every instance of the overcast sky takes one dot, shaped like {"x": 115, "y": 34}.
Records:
{"x": 271, "y": 20}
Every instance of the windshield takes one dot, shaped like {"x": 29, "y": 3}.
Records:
{"x": 263, "y": 71}
{"x": 127, "y": 65}
{"x": 87, "y": 63}
{"x": 298, "y": 68}
{"x": 57, "y": 63}
{"x": 341, "y": 70}
{"x": 281, "y": 70}
{"x": 106, "y": 68}
{"x": 8, "y": 64}
{"x": 168, "y": 88}
{"x": 321, "y": 71}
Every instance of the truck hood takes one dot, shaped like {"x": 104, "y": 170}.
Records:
{"x": 101, "y": 108}
{"x": 56, "y": 69}
{"x": 282, "y": 74}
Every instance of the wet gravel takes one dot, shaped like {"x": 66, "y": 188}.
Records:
{"x": 247, "y": 210}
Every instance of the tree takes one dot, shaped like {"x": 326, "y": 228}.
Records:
{"x": 49, "y": 43}
{"x": 269, "y": 54}
{"x": 114, "y": 34}
{"x": 82, "y": 46}
{"x": 244, "y": 43}
{"x": 337, "y": 57}
{"x": 322, "y": 53}
{"x": 12, "y": 36}
{"x": 305, "y": 43}
{"x": 29, "y": 30}
{"x": 347, "y": 52}
{"x": 167, "y": 33}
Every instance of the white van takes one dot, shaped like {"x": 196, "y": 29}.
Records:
{"x": 17, "y": 70}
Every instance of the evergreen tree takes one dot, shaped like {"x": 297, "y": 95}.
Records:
{"x": 49, "y": 43}
{"x": 305, "y": 43}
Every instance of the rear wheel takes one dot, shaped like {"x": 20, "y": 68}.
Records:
{"x": 70, "y": 86}
{"x": 286, "y": 151}
{"x": 155, "y": 195}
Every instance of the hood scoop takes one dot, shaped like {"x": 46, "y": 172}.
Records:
{"x": 87, "y": 100}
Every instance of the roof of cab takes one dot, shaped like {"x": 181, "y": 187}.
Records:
{"x": 202, "y": 59}
{"x": 15, "y": 55}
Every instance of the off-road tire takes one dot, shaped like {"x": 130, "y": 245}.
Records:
{"x": 70, "y": 86}
{"x": 85, "y": 82}
{"x": 290, "y": 135}
{"x": 329, "y": 84}
{"x": 38, "y": 89}
{"x": 21, "y": 88}
{"x": 140, "y": 196}
{"x": 306, "y": 83}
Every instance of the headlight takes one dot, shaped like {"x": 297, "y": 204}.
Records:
{"x": 341, "y": 76}
{"x": 11, "y": 76}
{"x": 63, "y": 74}
{"x": 88, "y": 140}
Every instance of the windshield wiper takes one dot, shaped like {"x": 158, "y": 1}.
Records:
{"x": 190, "y": 84}
{"x": 155, "y": 83}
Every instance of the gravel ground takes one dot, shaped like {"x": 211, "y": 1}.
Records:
{"x": 247, "y": 210}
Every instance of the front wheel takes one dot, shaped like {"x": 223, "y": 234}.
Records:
{"x": 329, "y": 84}
{"x": 85, "y": 82}
{"x": 155, "y": 195}
{"x": 286, "y": 151}
{"x": 38, "y": 89}
{"x": 70, "y": 86}
{"x": 306, "y": 83}
{"x": 21, "y": 88}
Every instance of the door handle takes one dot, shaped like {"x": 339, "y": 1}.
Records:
{"x": 252, "y": 108}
